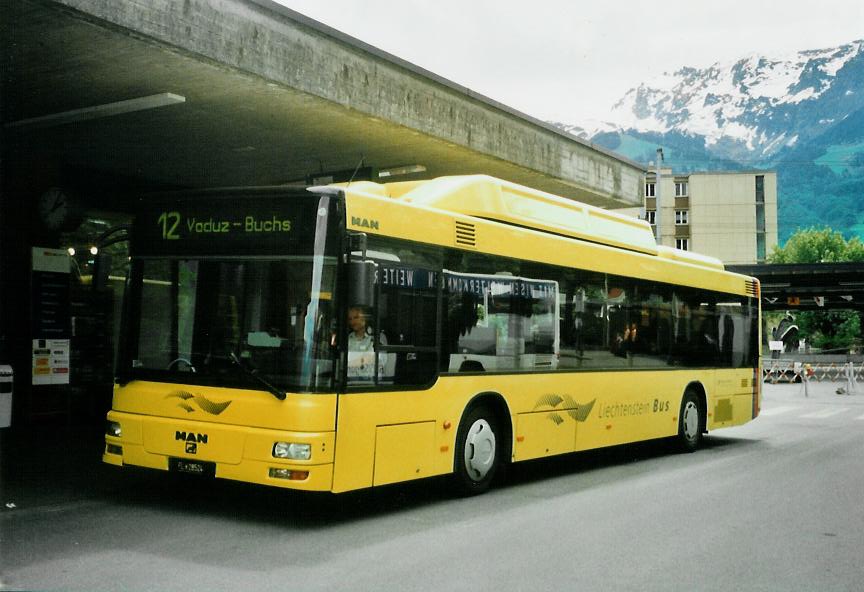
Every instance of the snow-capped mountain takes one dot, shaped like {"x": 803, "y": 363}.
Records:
{"x": 801, "y": 114}
{"x": 587, "y": 128}
{"x": 762, "y": 104}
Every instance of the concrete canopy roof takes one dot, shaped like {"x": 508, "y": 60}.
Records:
{"x": 270, "y": 97}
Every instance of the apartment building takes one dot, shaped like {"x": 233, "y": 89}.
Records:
{"x": 728, "y": 215}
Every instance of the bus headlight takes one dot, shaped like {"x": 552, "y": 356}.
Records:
{"x": 292, "y": 450}
{"x": 112, "y": 428}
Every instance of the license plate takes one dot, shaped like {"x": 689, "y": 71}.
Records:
{"x": 192, "y": 467}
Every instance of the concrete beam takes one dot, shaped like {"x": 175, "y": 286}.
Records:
{"x": 284, "y": 47}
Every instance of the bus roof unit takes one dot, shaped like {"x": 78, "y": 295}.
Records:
{"x": 488, "y": 198}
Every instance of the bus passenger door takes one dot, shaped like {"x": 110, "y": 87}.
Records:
{"x": 386, "y": 426}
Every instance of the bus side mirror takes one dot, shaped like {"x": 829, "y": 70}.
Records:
{"x": 361, "y": 282}
{"x": 357, "y": 242}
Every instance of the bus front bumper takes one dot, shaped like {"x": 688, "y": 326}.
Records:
{"x": 221, "y": 451}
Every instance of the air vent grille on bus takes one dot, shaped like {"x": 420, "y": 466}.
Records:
{"x": 466, "y": 234}
{"x": 752, "y": 288}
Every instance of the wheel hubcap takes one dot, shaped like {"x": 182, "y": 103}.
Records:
{"x": 690, "y": 420}
{"x": 479, "y": 450}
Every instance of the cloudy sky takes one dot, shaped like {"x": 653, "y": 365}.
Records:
{"x": 570, "y": 61}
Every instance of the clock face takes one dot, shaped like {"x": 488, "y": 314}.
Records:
{"x": 55, "y": 208}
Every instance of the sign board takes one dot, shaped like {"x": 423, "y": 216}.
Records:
{"x": 775, "y": 345}
{"x": 51, "y": 361}
{"x": 51, "y": 321}
{"x": 6, "y": 380}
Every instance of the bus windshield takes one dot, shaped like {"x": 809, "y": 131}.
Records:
{"x": 261, "y": 320}
{"x": 196, "y": 313}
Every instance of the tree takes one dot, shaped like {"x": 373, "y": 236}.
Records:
{"x": 827, "y": 330}
{"x": 818, "y": 245}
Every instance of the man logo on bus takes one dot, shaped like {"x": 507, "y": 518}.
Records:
{"x": 364, "y": 223}
{"x": 192, "y": 440}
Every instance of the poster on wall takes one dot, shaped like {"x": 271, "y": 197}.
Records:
{"x": 51, "y": 328}
{"x": 51, "y": 361}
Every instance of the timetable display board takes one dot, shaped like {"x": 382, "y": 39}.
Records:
{"x": 51, "y": 327}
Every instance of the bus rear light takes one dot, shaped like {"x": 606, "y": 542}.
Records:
{"x": 113, "y": 449}
{"x": 292, "y": 450}
{"x": 757, "y": 387}
{"x": 288, "y": 474}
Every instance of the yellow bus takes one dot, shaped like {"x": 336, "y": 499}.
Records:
{"x": 489, "y": 324}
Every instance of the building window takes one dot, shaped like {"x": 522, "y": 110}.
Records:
{"x": 651, "y": 216}
{"x": 649, "y": 190}
{"x": 681, "y": 189}
{"x": 760, "y": 217}
{"x": 682, "y": 217}
{"x": 760, "y": 247}
{"x": 682, "y": 243}
{"x": 760, "y": 188}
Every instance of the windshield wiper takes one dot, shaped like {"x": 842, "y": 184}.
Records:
{"x": 279, "y": 394}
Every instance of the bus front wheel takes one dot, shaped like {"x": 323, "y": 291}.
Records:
{"x": 690, "y": 422}
{"x": 478, "y": 445}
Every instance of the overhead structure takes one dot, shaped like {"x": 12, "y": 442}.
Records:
{"x": 252, "y": 93}
{"x": 102, "y": 101}
{"x": 808, "y": 286}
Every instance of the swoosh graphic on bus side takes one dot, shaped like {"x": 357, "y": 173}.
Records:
{"x": 548, "y": 401}
{"x": 577, "y": 411}
{"x": 206, "y": 405}
{"x": 581, "y": 412}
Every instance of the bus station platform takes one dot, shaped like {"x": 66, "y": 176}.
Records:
{"x": 48, "y": 465}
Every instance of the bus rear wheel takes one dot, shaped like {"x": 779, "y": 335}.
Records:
{"x": 478, "y": 446}
{"x": 690, "y": 422}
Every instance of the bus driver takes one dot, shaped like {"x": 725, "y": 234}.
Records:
{"x": 361, "y": 347}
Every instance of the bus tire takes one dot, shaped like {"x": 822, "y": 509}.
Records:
{"x": 478, "y": 450}
{"x": 690, "y": 422}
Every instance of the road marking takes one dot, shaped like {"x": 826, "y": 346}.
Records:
{"x": 825, "y": 413}
{"x": 778, "y": 410}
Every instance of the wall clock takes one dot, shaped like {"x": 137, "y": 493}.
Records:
{"x": 57, "y": 209}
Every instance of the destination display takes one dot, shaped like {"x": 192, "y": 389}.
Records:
{"x": 238, "y": 224}
{"x": 406, "y": 277}
{"x": 390, "y": 276}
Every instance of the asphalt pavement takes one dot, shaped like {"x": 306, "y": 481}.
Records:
{"x": 771, "y": 505}
{"x": 58, "y": 464}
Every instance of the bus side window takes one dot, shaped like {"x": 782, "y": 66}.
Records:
{"x": 406, "y": 314}
{"x": 587, "y": 341}
{"x": 500, "y": 322}
{"x": 408, "y": 309}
